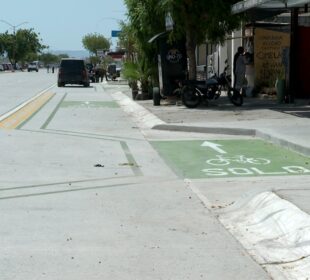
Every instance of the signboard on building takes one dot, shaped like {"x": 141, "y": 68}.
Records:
{"x": 270, "y": 48}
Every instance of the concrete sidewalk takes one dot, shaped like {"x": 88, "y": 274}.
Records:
{"x": 285, "y": 124}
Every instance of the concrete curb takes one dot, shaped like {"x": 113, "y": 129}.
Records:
{"x": 200, "y": 129}
{"x": 143, "y": 117}
{"x": 283, "y": 143}
{"x": 237, "y": 131}
{"x": 146, "y": 119}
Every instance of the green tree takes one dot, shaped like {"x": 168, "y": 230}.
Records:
{"x": 6, "y": 40}
{"x": 2, "y": 45}
{"x": 48, "y": 58}
{"x": 93, "y": 42}
{"x": 194, "y": 20}
{"x": 30, "y": 57}
{"x": 19, "y": 45}
{"x": 127, "y": 41}
{"x": 197, "y": 20}
{"x": 145, "y": 21}
{"x": 63, "y": 55}
{"x": 94, "y": 59}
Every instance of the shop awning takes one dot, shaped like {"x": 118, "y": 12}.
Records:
{"x": 247, "y": 5}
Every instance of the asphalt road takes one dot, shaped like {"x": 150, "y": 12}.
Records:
{"x": 85, "y": 194}
{"x": 18, "y": 87}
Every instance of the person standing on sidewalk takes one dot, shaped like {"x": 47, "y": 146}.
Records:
{"x": 239, "y": 69}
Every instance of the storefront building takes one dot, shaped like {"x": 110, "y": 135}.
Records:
{"x": 277, "y": 39}
{"x": 278, "y": 35}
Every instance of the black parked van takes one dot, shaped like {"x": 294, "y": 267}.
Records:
{"x": 72, "y": 71}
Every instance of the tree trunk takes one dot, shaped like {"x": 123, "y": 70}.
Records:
{"x": 191, "y": 54}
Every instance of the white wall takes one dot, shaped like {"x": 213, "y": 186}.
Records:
{"x": 222, "y": 53}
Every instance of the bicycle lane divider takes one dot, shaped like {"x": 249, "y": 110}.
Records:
{"x": 93, "y": 104}
{"x": 49, "y": 119}
{"x": 197, "y": 159}
{"x": 23, "y": 112}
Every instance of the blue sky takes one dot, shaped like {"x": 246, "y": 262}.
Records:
{"x": 63, "y": 23}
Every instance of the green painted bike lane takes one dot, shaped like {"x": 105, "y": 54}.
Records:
{"x": 230, "y": 158}
{"x": 89, "y": 104}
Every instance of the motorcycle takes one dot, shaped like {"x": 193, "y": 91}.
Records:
{"x": 194, "y": 92}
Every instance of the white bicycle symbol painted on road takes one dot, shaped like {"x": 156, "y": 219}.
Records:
{"x": 222, "y": 160}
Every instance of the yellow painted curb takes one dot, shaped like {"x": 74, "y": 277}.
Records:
{"x": 20, "y": 116}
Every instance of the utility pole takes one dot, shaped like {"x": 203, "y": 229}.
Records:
{"x": 14, "y": 34}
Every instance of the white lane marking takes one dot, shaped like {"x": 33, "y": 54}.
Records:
{"x": 213, "y": 146}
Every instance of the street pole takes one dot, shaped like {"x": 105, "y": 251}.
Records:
{"x": 14, "y": 34}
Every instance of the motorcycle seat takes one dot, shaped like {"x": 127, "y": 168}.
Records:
{"x": 211, "y": 82}
{"x": 202, "y": 86}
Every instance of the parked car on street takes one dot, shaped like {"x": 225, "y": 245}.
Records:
{"x": 33, "y": 66}
{"x": 72, "y": 71}
{"x": 7, "y": 66}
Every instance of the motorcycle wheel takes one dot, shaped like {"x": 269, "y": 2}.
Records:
{"x": 190, "y": 97}
{"x": 235, "y": 97}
